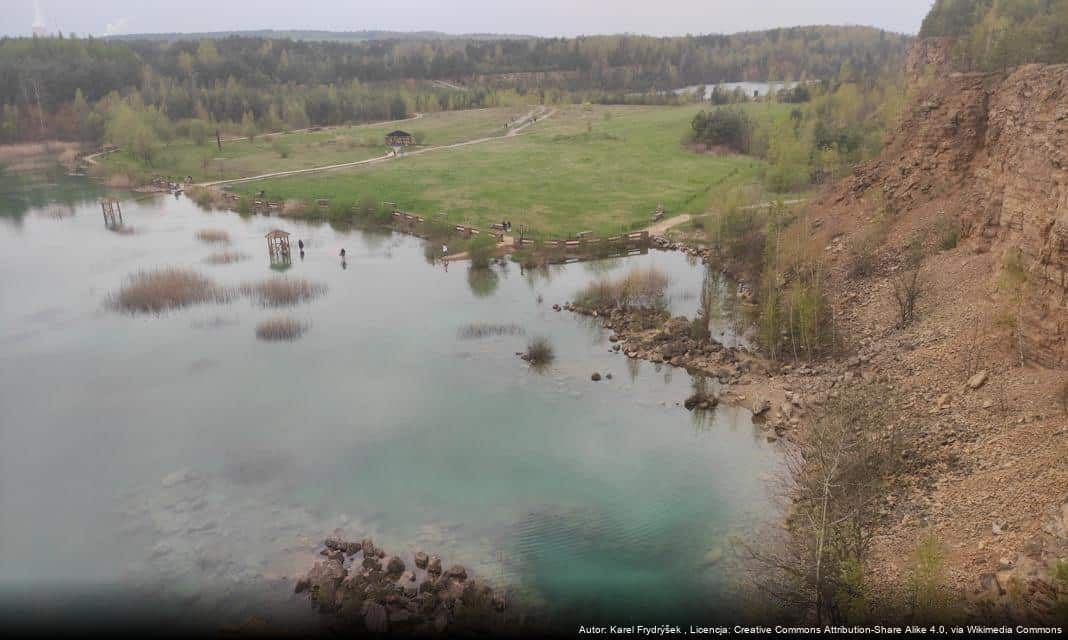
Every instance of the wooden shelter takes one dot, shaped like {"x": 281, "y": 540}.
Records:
{"x": 278, "y": 242}
{"x": 399, "y": 138}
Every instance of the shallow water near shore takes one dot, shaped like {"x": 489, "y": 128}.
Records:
{"x": 177, "y": 460}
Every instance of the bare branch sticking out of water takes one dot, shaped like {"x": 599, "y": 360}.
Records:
{"x": 478, "y": 330}
{"x": 166, "y": 289}
{"x": 282, "y": 292}
{"x": 280, "y": 329}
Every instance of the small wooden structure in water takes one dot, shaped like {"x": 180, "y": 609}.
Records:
{"x": 278, "y": 249}
{"x": 278, "y": 242}
{"x": 112, "y": 211}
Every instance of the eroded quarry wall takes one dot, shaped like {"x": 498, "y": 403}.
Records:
{"x": 990, "y": 150}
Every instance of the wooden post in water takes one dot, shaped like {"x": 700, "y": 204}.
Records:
{"x": 112, "y": 211}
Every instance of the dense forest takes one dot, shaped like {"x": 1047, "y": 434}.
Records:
{"x": 315, "y": 34}
{"x": 66, "y": 87}
{"x": 997, "y": 34}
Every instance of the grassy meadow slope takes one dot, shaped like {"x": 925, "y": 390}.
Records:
{"x": 305, "y": 149}
{"x": 585, "y": 168}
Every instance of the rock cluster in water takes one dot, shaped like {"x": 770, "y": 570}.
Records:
{"x": 367, "y": 589}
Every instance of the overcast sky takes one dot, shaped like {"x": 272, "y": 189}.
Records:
{"x": 534, "y": 17}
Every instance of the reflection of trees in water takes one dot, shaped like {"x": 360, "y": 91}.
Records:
{"x": 601, "y": 266}
{"x": 717, "y": 309}
{"x": 634, "y": 365}
{"x": 545, "y": 272}
{"x": 482, "y": 282}
{"x": 702, "y": 387}
{"x": 21, "y": 192}
{"x": 373, "y": 239}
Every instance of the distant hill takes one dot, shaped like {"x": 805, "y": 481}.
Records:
{"x": 320, "y": 36}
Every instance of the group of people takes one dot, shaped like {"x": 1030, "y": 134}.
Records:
{"x": 506, "y": 225}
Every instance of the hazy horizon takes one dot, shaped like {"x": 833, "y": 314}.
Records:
{"x": 547, "y": 18}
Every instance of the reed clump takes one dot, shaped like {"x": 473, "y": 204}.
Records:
{"x": 165, "y": 289}
{"x": 477, "y": 330}
{"x": 282, "y": 292}
{"x": 294, "y": 207}
{"x": 638, "y": 288}
{"x": 280, "y": 329}
{"x": 226, "y": 257}
{"x": 539, "y": 351}
{"x": 213, "y": 236}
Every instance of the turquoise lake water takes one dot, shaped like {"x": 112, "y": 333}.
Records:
{"x": 182, "y": 459}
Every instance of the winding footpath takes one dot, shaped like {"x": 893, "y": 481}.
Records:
{"x": 530, "y": 118}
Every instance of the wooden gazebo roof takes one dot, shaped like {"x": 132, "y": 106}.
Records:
{"x": 277, "y": 233}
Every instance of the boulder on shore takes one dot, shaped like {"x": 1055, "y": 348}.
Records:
{"x": 395, "y": 566}
{"x": 433, "y": 565}
{"x": 977, "y": 380}
{"x": 760, "y": 407}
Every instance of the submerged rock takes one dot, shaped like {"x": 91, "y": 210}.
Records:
{"x": 456, "y": 572}
{"x": 324, "y": 580}
{"x": 178, "y": 477}
{"x": 378, "y": 602}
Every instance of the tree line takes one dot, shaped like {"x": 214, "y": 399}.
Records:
{"x": 997, "y": 34}
{"x": 63, "y": 87}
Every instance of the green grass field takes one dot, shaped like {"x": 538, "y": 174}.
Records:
{"x": 309, "y": 148}
{"x": 602, "y": 169}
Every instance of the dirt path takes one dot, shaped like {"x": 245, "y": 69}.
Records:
{"x": 447, "y": 85}
{"x": 530, "y": 118}
{"x": 91, "y": 159}
{"x": 414, "y": 116}
{"x": 661, "y": 227}
{"x": 767, "y": 205}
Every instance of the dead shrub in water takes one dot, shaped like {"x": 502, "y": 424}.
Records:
{"x": 278, "y": 329}
{"x": 639, "y": 288}
{"x": 282, "y": 292}
{"x": 204, "y": 197}
{"x": 481, "y": 250}
{"x": 164, "y": 289}
{"x": 225, "y": 257}
{"x": 539, "y": 351}
{"x": 477, "y": 330}
{"x": 213, "y": 236}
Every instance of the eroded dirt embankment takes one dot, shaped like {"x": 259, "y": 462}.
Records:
{"x": 978, "y": 171}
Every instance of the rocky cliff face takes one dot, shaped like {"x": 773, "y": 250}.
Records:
{"x": 992, "y": 151}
